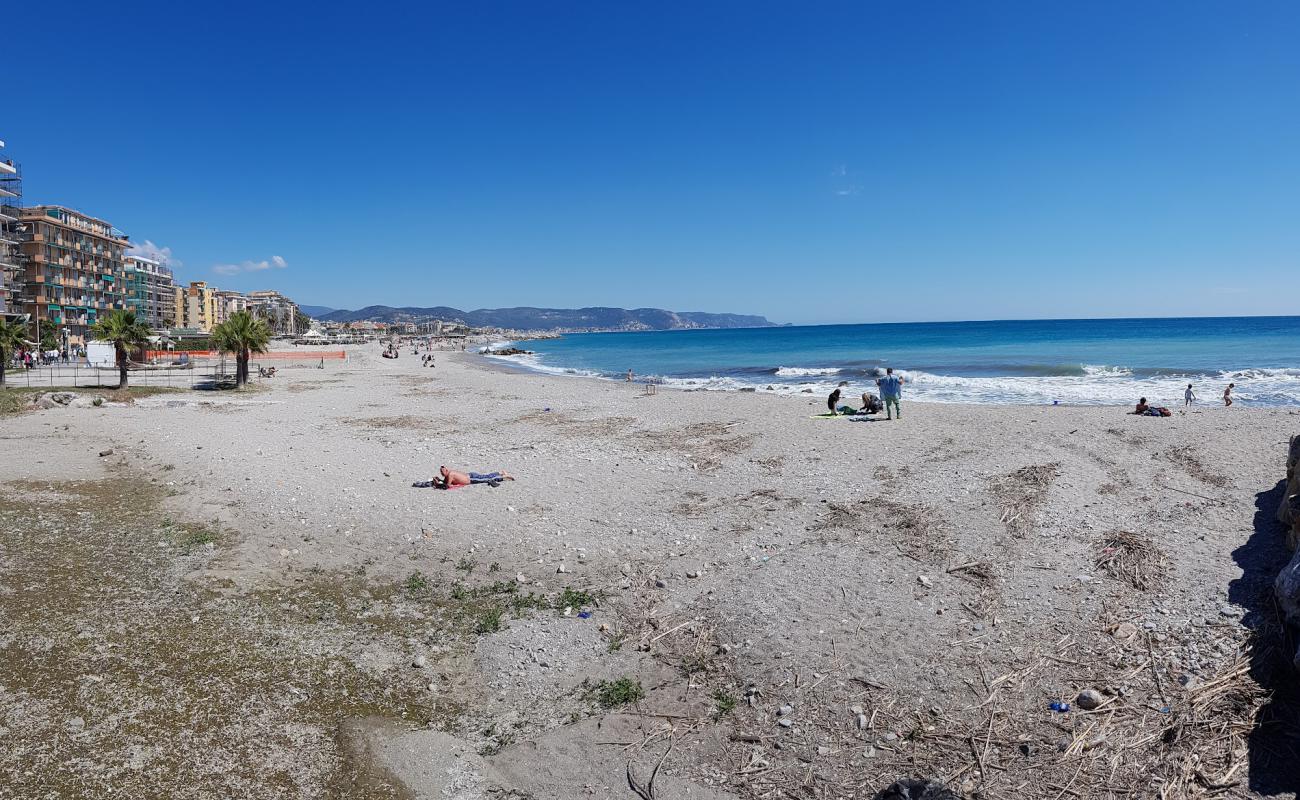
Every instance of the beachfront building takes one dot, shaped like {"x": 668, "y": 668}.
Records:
{"x": 150, "y": 291}
{"x": 11, "y": 269}
{"x": 72, "y": 269}
{"x": 228, "y": 303}
{"x": 196, "y": 307}
{"x": 280, "y": 312}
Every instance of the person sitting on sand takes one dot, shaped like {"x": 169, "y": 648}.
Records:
{"x": 871, "y": 404}
{"x": 1227, "y": 395}
{"x": 1142, "y": 407}
{"x": 450, "y": 478}
{"x": 833, "y": 401}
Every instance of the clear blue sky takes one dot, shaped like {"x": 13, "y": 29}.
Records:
{"x": 813, "y": 162}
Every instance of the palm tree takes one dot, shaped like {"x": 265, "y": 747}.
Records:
{"x": 121, "y": 329}
{"x": 11, "y": 340}
{"x": 243, "y": 334}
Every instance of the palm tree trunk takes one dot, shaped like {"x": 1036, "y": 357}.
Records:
{"x": 241, "y": 368}
{"x": 121, "y": 367}
{"x": 4, "y": 359}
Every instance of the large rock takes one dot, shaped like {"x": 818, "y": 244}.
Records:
{"x": 1288, "y": 511}
{"x": 916, "y": 789}
{"x": 55, "y": 399}
{"x": 1287, "y": 584}
{"x": 1287, "y": 587}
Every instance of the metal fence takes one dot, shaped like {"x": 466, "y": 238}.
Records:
{"x": 65, "y": 376}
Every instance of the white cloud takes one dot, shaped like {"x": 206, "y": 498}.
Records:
{"x": 276, "y": 262}
{"x": 147, "y": 249}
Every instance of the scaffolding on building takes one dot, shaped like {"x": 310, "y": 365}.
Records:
{"x": 11, "y": 259}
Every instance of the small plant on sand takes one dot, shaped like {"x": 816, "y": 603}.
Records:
{"x": 526, "y": 602}
{"x": 575, "y": 598}
{"x": 494, "y": 567}
{"x": 621, "y": 692}
{"x": 489, "y": 620}
{"x": 190, "y": 538}
{"x": 466, "y": 565}
{"x": 723, "y": 703}
{"x": 416, "y": 584}
{"x": 616, "y": 644}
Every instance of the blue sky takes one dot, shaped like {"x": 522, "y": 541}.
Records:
{"x": 813, "y": 162}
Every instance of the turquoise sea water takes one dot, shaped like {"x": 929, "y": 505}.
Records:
{"x": 1040, "y": 361}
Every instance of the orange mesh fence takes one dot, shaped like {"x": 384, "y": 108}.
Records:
{"x": 328, "y": 355}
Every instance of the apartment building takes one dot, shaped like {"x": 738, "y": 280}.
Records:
{"x": 228, "y": 303}
{"x": 150, "y": 291}
{"x": 11, "y": 270}
{"x": 279, "y": 311}
{"x": 72, "y": 269}
{"x": 196, "y": 307}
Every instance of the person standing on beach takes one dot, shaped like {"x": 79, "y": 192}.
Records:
{"x": 1188, "y": 396}
{"x": 1227, "y": 395}
{"x": 629, "y": 375}
{"x": 891, "y": 390}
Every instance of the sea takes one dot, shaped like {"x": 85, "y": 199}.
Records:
{"x": 1097, "y": 361}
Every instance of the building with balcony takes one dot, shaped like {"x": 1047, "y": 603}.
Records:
{"x": 72, "y": 269}
{"x": 196, "y": 307}
{"x": 150, "y": 291}
{"x": 280, "y": 312}
{"x": 228, "y": 303}
{"x": 11, "y": 269}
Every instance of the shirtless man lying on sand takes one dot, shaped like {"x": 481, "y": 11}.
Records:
{"x": 447, "y": 478}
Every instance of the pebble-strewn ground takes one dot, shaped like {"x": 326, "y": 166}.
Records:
{"x": 247, "y": 598}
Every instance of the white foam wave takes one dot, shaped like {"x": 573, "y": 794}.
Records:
{"x": 799, "y": 372}
{"x": 1100, "y": 386}
{"x": 1096, "y": 371}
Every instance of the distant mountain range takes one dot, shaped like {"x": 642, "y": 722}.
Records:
{"x": 546, "y": 319}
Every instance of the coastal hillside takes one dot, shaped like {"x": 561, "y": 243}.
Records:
{"x": 527, "y": 318}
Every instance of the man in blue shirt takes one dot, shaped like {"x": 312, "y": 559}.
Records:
{"x": 891, "y": 388}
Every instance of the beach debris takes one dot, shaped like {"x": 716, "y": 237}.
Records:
{"x": 1124, "y": 630}
{"x": 925, "y": 581}
{"x": 1089, "y": 699}
{"x": 1059, "y": 707}
{"x": 562, "y": 568}
{"x": 1133, "y": 559}
{"x": 106, "y": 453}
{"x": 785, "y": 711}
{"x": 420, "y": 662}
{"x": 521, "y": 578}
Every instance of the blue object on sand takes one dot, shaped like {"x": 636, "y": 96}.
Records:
{"x": 1061, "y": 707}
{"x": 584, "y": 614}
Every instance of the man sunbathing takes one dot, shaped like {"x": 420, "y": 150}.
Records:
{"x": 450, "y": 478}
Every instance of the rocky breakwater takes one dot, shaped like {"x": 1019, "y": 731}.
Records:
{"x": 1287, "y": 585}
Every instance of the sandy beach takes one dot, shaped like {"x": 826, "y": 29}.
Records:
{"x": 213, "y": 594}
